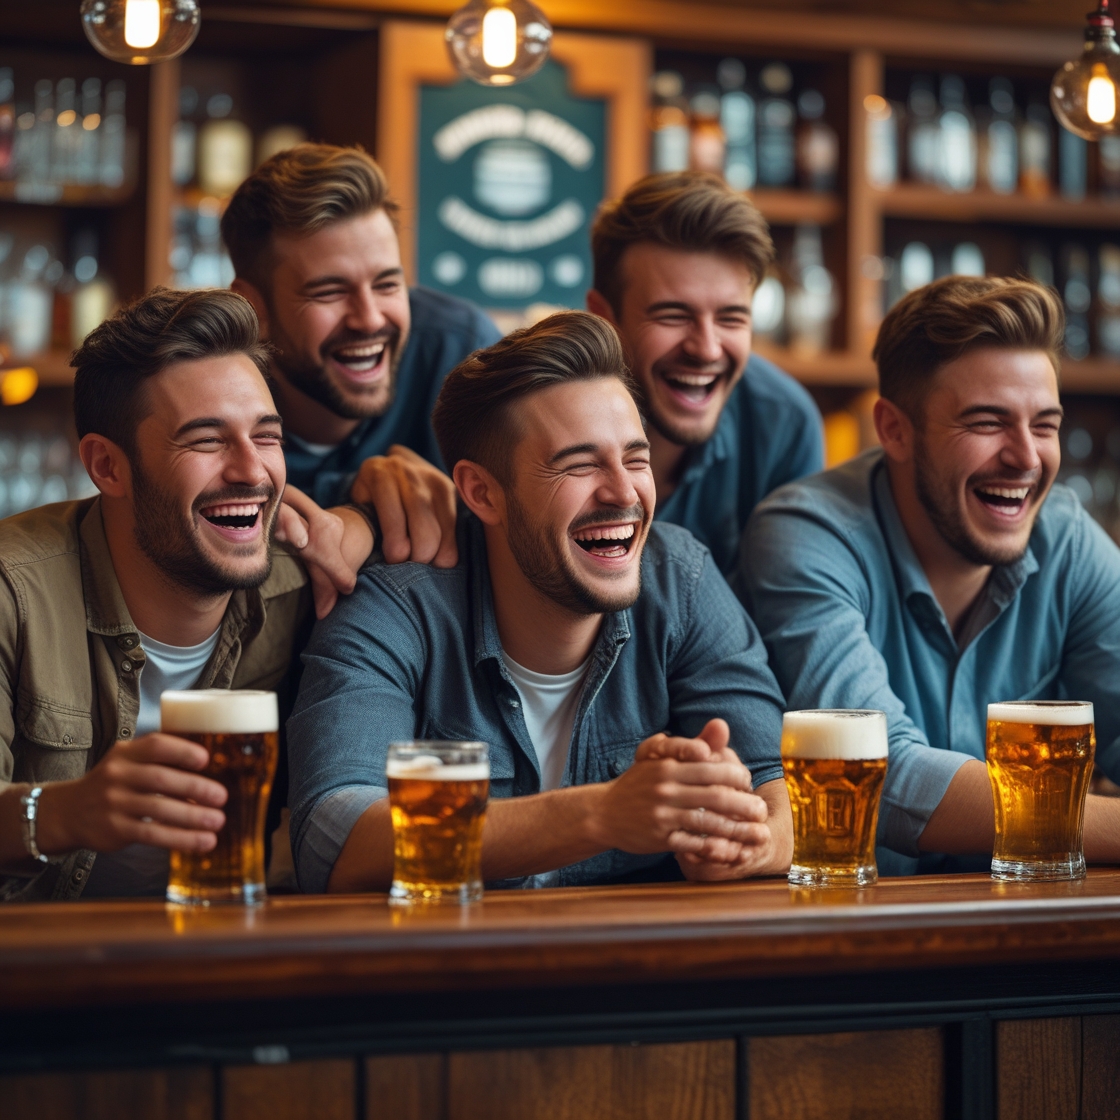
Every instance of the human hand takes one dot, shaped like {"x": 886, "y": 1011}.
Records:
{"x": 144, "y": 791}
{"x": 415, "y": 504}
{"x": 321, "y": 535}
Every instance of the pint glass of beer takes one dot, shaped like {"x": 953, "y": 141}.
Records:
{"x": 240, "y": 729}
{"x": 1040, "y": 759}
{"x": 437, "y": 796}
{"x": 834, "y": 762}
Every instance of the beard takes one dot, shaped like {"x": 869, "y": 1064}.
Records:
{"x": 313, "y": 380}
{"x": 666, "y": 426}
{"x": 169, "y": 539}
{"x": 546, "y": 564}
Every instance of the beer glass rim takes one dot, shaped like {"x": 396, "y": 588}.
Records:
{"x": 435, "y": 745}
{"x": 1042, "y": 712}
{"x": 846, "y": 713}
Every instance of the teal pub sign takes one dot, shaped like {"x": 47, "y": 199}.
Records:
{"x": 509, "y": 180}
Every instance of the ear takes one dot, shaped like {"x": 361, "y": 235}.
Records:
{"x": 107, "y": 466}
{"x": 598, "y": 304}
{"x": 252, "y": 293}
{"x": 895, "y": 430}
{"x": 481, "y": 492}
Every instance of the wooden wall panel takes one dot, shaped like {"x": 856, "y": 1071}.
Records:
{"x": 679, "y": 1081}
{"x": 1038, "y": 1069}
{"x": 867, "y": 1074}
{"x": 322, "y": 1090}
{"x": 158, "y": 1094}
{"x": 406, "y": 1087}
{"x": 1100, "y": 1067}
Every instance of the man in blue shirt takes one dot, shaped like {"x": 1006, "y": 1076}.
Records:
{"x": 589, "y": 649}
{"x": 946, "y": 571}
{"x": 677, "y": 260}
{"x": 358, "y": 357}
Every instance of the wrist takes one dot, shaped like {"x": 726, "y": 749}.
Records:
{"x": 52, "y": 820}
{"x": 594, "y": 819}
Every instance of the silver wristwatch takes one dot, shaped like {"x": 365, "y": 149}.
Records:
{"x": 30, "y": 803}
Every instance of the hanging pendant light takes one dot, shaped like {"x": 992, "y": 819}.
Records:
{"x": 498, "y": 42}
{"x": 1085, "y": 93}
{"x": 140, "y": 32}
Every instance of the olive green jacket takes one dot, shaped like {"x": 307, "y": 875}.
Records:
{"x": 70, "y": 658}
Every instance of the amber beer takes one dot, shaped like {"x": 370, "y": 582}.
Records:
{"x": 1040, "y": 759}
{"x": 437, "y": 797}
{"x": 240, "y": 730}
{"x": 834, "y": 763}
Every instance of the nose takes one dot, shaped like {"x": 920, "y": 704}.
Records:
{"x": 364, "y": 314}
{"x": 703, "y": 341}
{"x": 1020, "y": 450}
{"x": 243, "y": 465}
{"x": 616, "y": 487}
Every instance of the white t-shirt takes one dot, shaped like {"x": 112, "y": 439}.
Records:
{"x": 320, "y": 450}
{"x": 141, "y": 869}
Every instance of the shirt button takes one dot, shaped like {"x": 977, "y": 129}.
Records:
{"x": 127, "y": 642}
{"x": 126, "y": 733}
{"x": 78, "y": 875}
{"x": 126, "y": 666}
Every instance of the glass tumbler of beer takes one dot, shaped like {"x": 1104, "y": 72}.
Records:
{"x": 437, "y": 797}
{"x": 834, "y": 762}
{"x": 240, "y": 730}
{"x": 1040, "y": 760}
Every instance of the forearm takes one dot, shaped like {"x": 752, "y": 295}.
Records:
{"x": 14, "y": 859}
{"x": 778, "y": 854}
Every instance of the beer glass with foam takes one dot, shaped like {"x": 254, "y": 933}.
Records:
{"x": 240, "y": 730}
{"x": 834, "y": 762}
{"x": 1040, "y": 759}
{"x": 437, "y": 797}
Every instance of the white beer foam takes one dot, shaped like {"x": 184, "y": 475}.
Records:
{"x": 432, "y": 769}
{"x": 848, "y": 735}
{"x": 1074, "y": 713}
{"x": 218, "y": 711}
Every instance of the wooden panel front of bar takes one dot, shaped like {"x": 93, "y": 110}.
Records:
{"x": 953, "y": 997}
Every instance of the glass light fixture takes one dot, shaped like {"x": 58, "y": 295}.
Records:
{"x": 140, "y": 31}
{"x": 498, "y": 42}
{"x": 1083, "y": 94}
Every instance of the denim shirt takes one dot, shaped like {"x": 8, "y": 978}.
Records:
{"x": 847, "y": 613}
{"x": 444, "y": 331}
{"x": 768, "y": 434}
{"x": 414, "y": 652}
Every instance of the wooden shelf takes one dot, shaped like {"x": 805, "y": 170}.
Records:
{"x": 52, "y": 367}
{"x": 55, "y": 194}
{"x": 916, "y": 200}
{"x": 1091, "y": 375}
{"x": 792, "y": 207}
{"x": 832, "y": 367}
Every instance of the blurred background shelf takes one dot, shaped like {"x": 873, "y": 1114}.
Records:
{"x": 916, "y": 200}
{"x": 793, "y": 207}
{"x": 69, "y": 194}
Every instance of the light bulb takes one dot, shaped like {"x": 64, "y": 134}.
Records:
{"x": 498, "y": 42}
{"x": 1083, "y": 92}
{"x": 140, "y": 31}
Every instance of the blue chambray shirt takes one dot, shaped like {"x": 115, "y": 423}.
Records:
{"x": 828, "y": 573}
{"x": 768, "y": 434}
{"x": 414, "y": 652}
{"x": 444, "y": 331}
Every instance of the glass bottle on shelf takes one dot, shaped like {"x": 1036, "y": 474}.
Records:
{"x": 225, "y": 149}
{"x": 818, "y": 146}
{"x": 1035, "y": 151}
{"x": 67, "y": 141}
{"x": 1109, "y": 166}
{"x": 1073, "y": 165}
{"x": 89, "y": 150}
{"x": 775, "y": 127}
{"x": 1040, "y": 263}
{"x": 967, "y": 259}
{"x": 737, "y": 117}
{"x": 923, "y": 147}
{"x": 33, "y": 137}
{"x": 670, "y": 122}
{"x": 957, "y": 156}
{"x": 1001, "y": 139}
{"x": 706, "y": 148}
{"x": 1108, "y": 298}
{"x": 184, "y": 139}
{"x": 915, "y": 266}
{"x": 93, "y": 296}
{"x": 278, "y": 138}
{"x": 811, "y": 300}
{"x": 31, "y": 305}
{"x": 7, "y": 122}
{"x": 882, "y": 141}
{"x": 112, "y": 149}
{"x": 1078, "y": 297}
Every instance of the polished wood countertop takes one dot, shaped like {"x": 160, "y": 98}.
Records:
{"x": 71, "y": 954}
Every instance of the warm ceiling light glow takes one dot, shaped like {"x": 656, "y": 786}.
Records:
{"x": 18, "y": 385}
{"x": 1101, "y": 101}
{"x": 1083, "y": 92}
{"x": 141, "y": 23}
{"x": 499, "y": 38}
{"x": 140, "y": 32}
{"x": 498, "y": 42}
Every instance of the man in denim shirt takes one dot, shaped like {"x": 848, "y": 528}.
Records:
{"x": 945, "y": 572}
{"x": 622, "y": 689}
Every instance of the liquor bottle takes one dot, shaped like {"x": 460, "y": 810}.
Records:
{"x": 67, "y": 141}
{"x": 768, "y": 310}
{"x": 669, "y": 122}
{"x": 737, "y": 117}
{"x": 112, "y": 150}
{"x": 1109, "y": 167}
{"x": 957, "y": 157}
{"x": 278, "y": 138}
{"x": 706, "y": 148}
{"x": 184, "y": 139}
{"x": 1078, "y": 297}
{"x": 923, "y": 148}
{"x": 225, "y": 149}
{"x": 811, "y": 301}
{"x": 967, "y": 260}
{"x": 1001, "y": 155}
{"x": 89, "y": 151}
{"x": 915, "y": 266}
{"x": 33, "y": 138}
{"x": 31, "y": 305}
{"x": 93, "y": 296}
{"x": 1073, "y": 165}
{"x": 7, "y": 122}
{"x": 882, "y": 141}
{"x": 1108, "y": 296}
{"x": 1035, "y": 152}
{"x": 1040, "y": 263}
{"x": 818, "y": 146}
{"x": 775, "y": 127}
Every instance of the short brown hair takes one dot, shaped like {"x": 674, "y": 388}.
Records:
{"x": 940, "y": 322}
{"x": 300, "y": 190}
{"x": 690, "y": 210}
{"x": 143, "y": 339}
{"x": 471, "y": 418}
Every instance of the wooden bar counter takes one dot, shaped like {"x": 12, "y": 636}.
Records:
{"x": 936, "y": 997}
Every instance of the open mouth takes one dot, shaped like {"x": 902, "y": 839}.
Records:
{"x": 235, "y": 516}
{"x": 361, "y": 359}
{"x": 608, "y": 542}
{"x": 1005, "y": 501}
{"x": 693, "y": 388}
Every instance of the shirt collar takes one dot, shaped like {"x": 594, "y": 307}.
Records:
{"x": 721, "y": 444}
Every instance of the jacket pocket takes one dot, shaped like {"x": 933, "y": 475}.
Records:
{"x": 47, "y": 723}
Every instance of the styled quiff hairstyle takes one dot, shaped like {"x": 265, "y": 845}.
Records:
{"x": 299, "y": 191}
{"x": 164, "y": 327}
{"x": 690, "y": 210}
{"x": 940, "y": 322}
{"x": 472, "y": 417}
